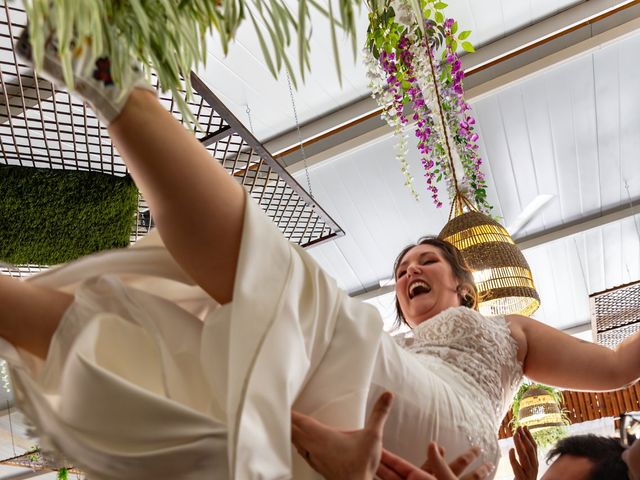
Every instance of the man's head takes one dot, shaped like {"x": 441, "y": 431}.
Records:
{"x": 586, "y": 457}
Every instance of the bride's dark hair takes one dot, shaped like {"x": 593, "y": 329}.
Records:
{"x": 467, "y": 290}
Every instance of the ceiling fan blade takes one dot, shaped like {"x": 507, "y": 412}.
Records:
{"x": 532, "y": 210}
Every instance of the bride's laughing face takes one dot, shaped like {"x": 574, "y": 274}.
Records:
{"x": 425, "y": 284}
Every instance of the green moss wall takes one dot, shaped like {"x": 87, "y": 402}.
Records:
{"x": 53, "y": 216}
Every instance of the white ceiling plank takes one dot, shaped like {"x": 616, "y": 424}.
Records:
{"x": 579, "y": 286}
{"x": 612, "y": 245}
{"x": 487, "y": 15}
{"x": 332, "y": 193}
{"x": 629, "y": 95}
{"x": 369, "y": 214}
{"x": 565, "y": 282}
{"x": 595, "y": 260}
{"x": 630, "y": 231}
{"x": 520, "y": 170}
{"x": 489, "y": 114}
{"x": 540, "y": 137}
{"x": 585, "y": 134}
{"x": 561, "y": 122}
{"x": 583, "y": 224}
{"x": 548, "y": 290}
{"x": 333, "y": 262}
{"x": 607, "y": 94}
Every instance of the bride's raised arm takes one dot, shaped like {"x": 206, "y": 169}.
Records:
{"x": 555, "y": 358}
{"x": 197, "y": 206}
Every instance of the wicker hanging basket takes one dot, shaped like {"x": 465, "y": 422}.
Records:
{"x": 539, "y": 409}
{"x": 501, "y": 272}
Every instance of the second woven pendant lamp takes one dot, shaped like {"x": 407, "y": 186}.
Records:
{"x": 539, "y": 409}
{"x": 501, "y": 272}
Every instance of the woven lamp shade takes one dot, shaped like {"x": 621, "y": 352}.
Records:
{"x": 615, "y": 314}
{"x": 539, "y": 409}
{"x": 501, "y": 272}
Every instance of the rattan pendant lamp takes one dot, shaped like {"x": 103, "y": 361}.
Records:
{"x": 501, "y": 272}
{"x": 539, "y": 409}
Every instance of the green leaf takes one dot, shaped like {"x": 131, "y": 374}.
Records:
{"x": 464, "y": 35}
{"x": 276, "y": 37}
{"x": 454, "y": 28}
{"x": 417, "y": 12}
{"x": 302, "y": 18}
{"x": 334, "y": 43}
{"x": 468, "y": 47}
{"x": 440, "y": 5}
{"x": 439, "y": 17}
{"x": 263, "y": 46}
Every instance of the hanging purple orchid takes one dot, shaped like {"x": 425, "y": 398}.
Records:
{"x": 402, "y": 81}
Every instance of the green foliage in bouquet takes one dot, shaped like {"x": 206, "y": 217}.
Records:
{"x": 170, "y": 36}
{"x": 53, "y": 216}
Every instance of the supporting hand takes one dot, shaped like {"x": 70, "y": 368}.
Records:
{"x": 393, "y": 467}
{"x": 338, "y": 455}
{"x": 525, "y": 467}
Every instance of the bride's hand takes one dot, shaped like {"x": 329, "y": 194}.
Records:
{"x": 338, "y": 455}
{"x": 393, "y": 467}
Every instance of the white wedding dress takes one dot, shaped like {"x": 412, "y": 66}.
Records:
{"x": 147, "y": 378}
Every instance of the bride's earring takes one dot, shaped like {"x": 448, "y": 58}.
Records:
{"x": 465, "y": 298}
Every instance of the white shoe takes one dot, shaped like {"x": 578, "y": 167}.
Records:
{"x": 92, "y": 82}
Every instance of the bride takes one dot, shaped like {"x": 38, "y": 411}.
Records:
{"x": 183, "y": 355}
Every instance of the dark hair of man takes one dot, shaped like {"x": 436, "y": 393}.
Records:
{"x": 604, "y": 452}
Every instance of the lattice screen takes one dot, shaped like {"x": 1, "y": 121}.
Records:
{"x": 615, "y": 313}
{"x": 43, "y": 127}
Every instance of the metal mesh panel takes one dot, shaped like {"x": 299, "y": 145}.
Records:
{"x": 615, "y": 313}
{"x": 37, "y": 462}
{"x": 44, "y": 127}
{"x": 21, "y": 270}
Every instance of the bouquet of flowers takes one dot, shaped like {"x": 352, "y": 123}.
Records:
{"x": 170, "y": 36}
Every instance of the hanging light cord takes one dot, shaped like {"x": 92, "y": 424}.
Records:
{"x": 248, "y": 111}
{"x": 304, "y": 155}
{"x": 13, "y": 444}
{"x": 442, "y": 119}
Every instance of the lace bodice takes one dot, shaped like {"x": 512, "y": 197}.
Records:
{"x": 479, "y": 348}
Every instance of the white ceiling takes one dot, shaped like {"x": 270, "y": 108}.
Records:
{"x": 242, "y": 78}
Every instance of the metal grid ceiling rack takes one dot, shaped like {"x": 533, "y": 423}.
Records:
{"x": 44, "y": 127}
{"x": 615, "y": 314}
{"x": 37, "y": 462}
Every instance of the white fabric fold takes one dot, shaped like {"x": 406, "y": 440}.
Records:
{"x": 147, "y": 377}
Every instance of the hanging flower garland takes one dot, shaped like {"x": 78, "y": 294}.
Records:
{"x": 401, "y": 61}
